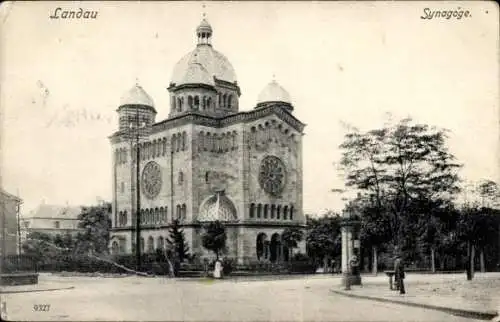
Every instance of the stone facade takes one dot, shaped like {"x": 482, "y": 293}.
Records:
{"x": 9, "y": 237}
{"x": 206, "y": 150}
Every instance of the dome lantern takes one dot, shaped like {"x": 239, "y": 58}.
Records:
{"x": 204, "y": 32}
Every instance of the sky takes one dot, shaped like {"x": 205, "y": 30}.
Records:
{"x": 342, "y": 63}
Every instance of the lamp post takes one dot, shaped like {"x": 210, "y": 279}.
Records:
{"x": 136, "y": 128}
{"x": 346, "y": 245}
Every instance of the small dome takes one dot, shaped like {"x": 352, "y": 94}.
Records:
{"x": 217, "y": 207}
{"x": 196, "y": 74}
{"x": 273, "y": 92}
{"x": 136, "y": 96}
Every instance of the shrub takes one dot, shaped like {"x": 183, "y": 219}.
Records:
{"x": 227, "y": 266}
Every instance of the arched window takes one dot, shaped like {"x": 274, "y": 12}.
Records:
{"x": 158, "y": 147}
{"x": 151, "y": 244}
{"x": 201, "y": 141}
{"x": 278, "y": 210}
{"x": 173, "y": 103}
{"x": 184, "y": 212}
{"x": 179, "y": 104}
{"x": 268, "y": 132}
{"x": 165, "y": 214}
{"x": 222, "y": 143}
{"x": 265, "y": 211}
{"x": 164, "y": 142}
{"x": 206, "y": 142}
{"x": 196, "y": 103}
{"x": 181, "y": 177}
{"x": 207, "y": 174}
{"x": 273, "y": 210}
{"x": 291, "y": 212}
{"x": 229, "y": 99}
{"x": 142, "y": 244}
{"x": 220, "y": 100}
{"x": 161, "y": 215}
{"x": 252, "y": 210}
{"x": 285, "y": 213}
{"x": 183, "y": 141}
{"x": 153, "y": 149}
{"x": 209, "y": 102}
{"x": 259, "y": 210}
{"x": 125, "y": 218}
{"x": 143, "y": 216}
{"x": 160, "y": 243}
{"x": 190, "y": 102}
{"x": 157, "y": 216}
{"x": 178, "y": 212}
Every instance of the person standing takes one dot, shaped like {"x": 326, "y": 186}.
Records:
{"x": 399, "y": 274}
{"x": 218, "y": 269}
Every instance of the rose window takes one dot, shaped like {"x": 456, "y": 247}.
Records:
{"x": 272, "y": 175}
{"x": 151, "y": 180}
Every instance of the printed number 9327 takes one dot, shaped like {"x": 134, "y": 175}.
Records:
{"x": 41, "y": 307}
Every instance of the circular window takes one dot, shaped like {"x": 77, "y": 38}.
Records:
{"x": 272, "y": 175}
{"x": 151, "y": 180}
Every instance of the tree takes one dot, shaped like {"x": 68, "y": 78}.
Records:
{"x": 489, "y": 191}
{"x": 291, "y": 237}
{"x": 214, "y": 237}
{"x": 177, "y": 241}
{"x": 94, "y": 221}
{"x": 323, "y": 237}
{"x": 39, "y": 246}
{"x": 395, "y": 166}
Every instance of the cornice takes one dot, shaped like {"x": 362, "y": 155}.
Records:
{"x": 221, "y": 122}
{"x": 195, "y": 224}
{"x": 134, "y": 106}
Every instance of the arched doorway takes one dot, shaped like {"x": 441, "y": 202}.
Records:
{"x": 275, "y": 247}
{"x": 260, "y": 246}
{"x": 115, "y": 248}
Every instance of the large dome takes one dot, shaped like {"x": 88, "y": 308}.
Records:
{"x": 273, "y": 92}
{"x": 196, "y": 74}
{"x": 136, "y": 96}
{"x": 215, "y": 63}
{"x": 217, "y": 207}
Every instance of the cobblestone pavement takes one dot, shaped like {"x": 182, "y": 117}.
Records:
{"x": 160, "y": 299}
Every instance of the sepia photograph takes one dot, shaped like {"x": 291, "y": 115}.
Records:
{"x": 249, "y": 161}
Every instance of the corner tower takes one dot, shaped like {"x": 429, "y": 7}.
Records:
{"x": 204, "y": 81}
{"x": 136, "y": 106}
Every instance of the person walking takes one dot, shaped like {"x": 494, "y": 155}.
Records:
{"x": 399, "y": 274}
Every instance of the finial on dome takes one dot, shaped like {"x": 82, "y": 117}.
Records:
{"x": 136, "y": 81}
{"x": 204, "y": 30}
{"x": 204, "y": 11}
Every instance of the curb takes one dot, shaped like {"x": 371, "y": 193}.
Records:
{"x": 41, "y": 290}
{"x": 481, "y": 315}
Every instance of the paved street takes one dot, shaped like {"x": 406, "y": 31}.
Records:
{"x": 156, "y": 299}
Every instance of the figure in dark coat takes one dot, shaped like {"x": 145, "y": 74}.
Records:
{"x": 399, "y": 274}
